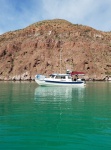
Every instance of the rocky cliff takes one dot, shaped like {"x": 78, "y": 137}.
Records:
{"x": 37, "y": 48}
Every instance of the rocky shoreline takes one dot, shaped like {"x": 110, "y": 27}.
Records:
{"x": 27, "y": 77}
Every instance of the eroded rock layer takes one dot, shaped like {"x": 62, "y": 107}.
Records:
{"x": 38, "y": 48}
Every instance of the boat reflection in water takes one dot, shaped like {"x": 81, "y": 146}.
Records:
{"x": 59, "y": 93}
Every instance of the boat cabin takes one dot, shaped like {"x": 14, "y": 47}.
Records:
{"x": 66, "y": 77}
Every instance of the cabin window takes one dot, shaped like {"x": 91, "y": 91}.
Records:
{"x": 58, "y": 77}
{"x": 63, "y": 77}
{"x": 69, "y": 77}
{"x": 52, "y": 76}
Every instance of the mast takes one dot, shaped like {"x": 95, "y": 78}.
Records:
{"x": 60, "y": 59}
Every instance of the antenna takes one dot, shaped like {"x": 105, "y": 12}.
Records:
{"x": 60, "y": 59}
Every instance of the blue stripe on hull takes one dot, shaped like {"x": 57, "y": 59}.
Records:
{"x": 79, "y": 82}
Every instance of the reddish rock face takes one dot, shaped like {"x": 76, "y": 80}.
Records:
{"x": 37, "y": 50}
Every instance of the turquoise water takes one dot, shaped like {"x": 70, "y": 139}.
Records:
{"x": 55, "y": 118}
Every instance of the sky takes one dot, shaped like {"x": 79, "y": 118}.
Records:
{"x": 18, "y": 14}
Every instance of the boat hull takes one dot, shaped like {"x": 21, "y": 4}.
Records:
{"x": 59, "y": 83}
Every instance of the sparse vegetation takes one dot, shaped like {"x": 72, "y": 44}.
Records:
{"x": 36, "y": 41}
